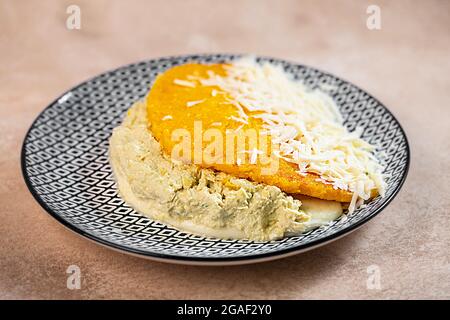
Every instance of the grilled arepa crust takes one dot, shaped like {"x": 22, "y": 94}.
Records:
{"x": 177, "y": 100}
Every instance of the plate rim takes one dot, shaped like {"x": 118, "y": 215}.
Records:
{"x": 255, "y": 258}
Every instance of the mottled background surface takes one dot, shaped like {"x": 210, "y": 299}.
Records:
{"x": 405, "y": 64}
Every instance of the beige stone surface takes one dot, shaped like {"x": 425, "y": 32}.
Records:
{"x": 405, "y": 64}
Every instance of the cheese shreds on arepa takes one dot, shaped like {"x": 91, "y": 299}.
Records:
{"x": 318, "y": 156}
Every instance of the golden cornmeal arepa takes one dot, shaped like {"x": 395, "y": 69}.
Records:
{"x": 177, "y": 100}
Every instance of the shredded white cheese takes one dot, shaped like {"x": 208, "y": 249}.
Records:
{"x": 167, "y": 117}
{"x": 193, "y": 103}
{"x": 184, "y": 83}
{"x": 237, "y": 119}
{"x": 306, "y": 125}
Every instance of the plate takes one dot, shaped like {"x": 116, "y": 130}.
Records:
{"x": 65, "y": 166}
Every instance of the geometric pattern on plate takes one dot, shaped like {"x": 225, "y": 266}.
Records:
{"x": 65, "y": 163}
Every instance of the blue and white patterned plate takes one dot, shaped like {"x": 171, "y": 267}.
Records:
{"x": 65, "y": 165}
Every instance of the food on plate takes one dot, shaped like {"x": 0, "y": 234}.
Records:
{"x": 242, "y": 151}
